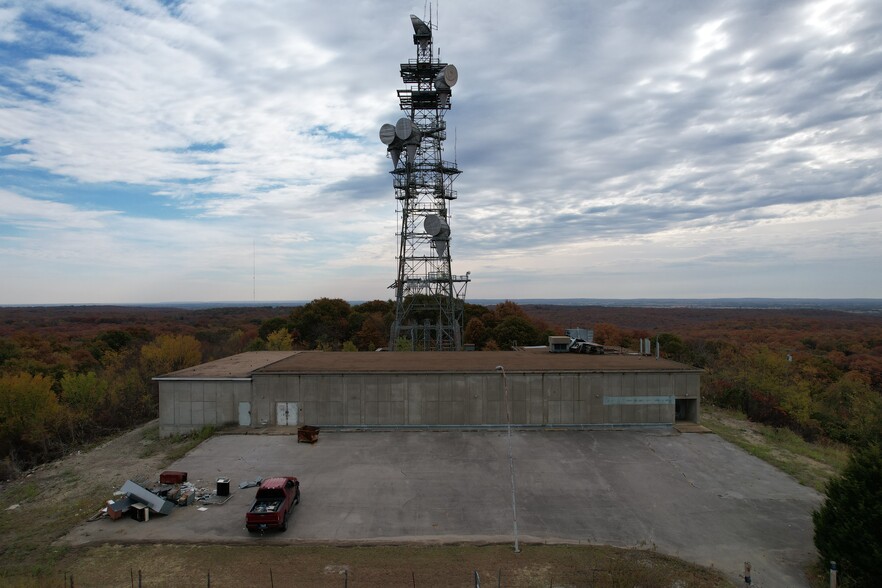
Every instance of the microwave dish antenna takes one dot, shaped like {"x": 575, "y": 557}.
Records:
{"x": 429, "y": 298}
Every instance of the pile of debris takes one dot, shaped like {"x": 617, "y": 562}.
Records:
{"x": 172, "y": 491}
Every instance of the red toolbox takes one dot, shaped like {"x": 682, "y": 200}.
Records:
{"x": 172, "y": 477}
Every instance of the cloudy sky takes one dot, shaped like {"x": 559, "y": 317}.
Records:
{"x": 227, "y": 150}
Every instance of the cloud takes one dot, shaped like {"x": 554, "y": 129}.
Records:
{"x": 578, "y": 123}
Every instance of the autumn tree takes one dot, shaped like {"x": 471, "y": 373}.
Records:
{"x": 373, "y": 332}
{"x": 29, "y": 413}
{"x": 85, "y": 396}
{"x": 507, "y": 309}
{"x": 607, "y": 334}
{"x": 279, "y": 340}
{"x": 134, "y": 400}
{"x": 476, "y": 333}
{"x": 169, "y": 353}
{"x": 271, "y": 326}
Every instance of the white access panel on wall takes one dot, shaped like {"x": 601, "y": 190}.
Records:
{"x": 244, "y": 414}
{"x": 286, "y": 413}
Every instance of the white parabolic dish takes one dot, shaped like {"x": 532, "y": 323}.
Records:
{"x": 387, "y": 134}
{"x": 450, "y": 75}
{"x": 403, "y": 128}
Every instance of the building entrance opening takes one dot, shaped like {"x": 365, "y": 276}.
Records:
{"x": 244, "y": 414}
{"x": 686, "y": 410}
{"x": 286, "y": 414}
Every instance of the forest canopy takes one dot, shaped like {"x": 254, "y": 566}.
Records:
{"x": 69, "y": 375}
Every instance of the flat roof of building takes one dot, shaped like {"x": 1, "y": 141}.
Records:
{"x": 241, "y": 365}
{"x": 244, "y": 365}
{"x": 465, "y": 362}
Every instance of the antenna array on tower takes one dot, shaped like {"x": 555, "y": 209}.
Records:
{"x": 429, "y": 299}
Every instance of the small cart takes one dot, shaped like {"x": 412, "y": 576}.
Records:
{"x": 307, "y": 434}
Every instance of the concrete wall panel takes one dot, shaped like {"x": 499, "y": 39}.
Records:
{"x": 276, "y": 386}
{"x": 398, "y": 390}
{"x": 612, "y": 387}
{"x": 353, "y": 400}
{"x": 209, "y": 413}
{"x": 183, "y": 409}
{"x": 371, "y": 389}
{"x": 692, "y": 385}
{"x": 428, "y": 399}
{"x": 475, "y": 392}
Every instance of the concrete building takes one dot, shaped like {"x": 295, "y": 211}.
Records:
{"x": 428, "y": 390}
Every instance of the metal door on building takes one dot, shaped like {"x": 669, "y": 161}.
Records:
{"x": 286, "y": 414}
{"x": 244, "y": 414}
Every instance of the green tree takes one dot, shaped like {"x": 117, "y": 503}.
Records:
{"x": 86, "y": 396}
{"x": 515, "y": 330}
{"x": 8, "y": 350}
{"x": 672, "y": 347}
{"x": 382, "y": 307}
{"x": 850, "y": 410}
{"x": 169, "y": 353}
{"x": 848, "y": 526}
{"x": 129, "y": 396}
{"x": 271, "y": 326}
{"x": 349, "y": 346}
{"x": 324, "y": 320}
{"x": 83, "y": 393}
{"x": 115, "y": 339}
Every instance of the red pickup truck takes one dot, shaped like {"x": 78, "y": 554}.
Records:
{"x": 275, "y": 499}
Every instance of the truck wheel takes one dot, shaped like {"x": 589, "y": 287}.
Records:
{"x": 284, "y": 526}
{"x": 297, "y": 498}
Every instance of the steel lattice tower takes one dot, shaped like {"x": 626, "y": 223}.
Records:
{"x": 429, "y": 299}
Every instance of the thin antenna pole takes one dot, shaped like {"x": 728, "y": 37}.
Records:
{"x": 254, "y": 270}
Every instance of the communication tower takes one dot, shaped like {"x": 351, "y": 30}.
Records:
{"x": 429, "y": 299}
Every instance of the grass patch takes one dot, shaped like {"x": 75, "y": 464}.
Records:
{"x": 21, "y": 493}
{"x": 150, "y": 441}
{"x": 182, "y": 444}
{"x": 380, "y": 566}
{"x": 811, "y": 464}
{"x": 173, "y": 447}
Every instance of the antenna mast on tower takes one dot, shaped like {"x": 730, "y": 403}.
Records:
{"x": 429, "y": 299}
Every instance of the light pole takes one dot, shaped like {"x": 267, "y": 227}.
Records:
{"x": 514, "y": 507}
